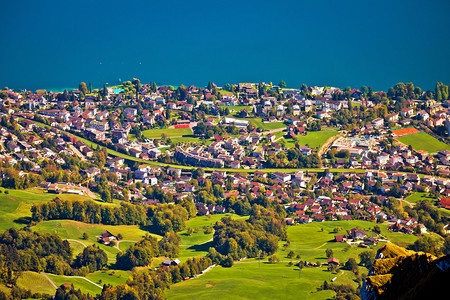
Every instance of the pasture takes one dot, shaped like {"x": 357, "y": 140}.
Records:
{"x": 68, "y": 229}
{"x": 251, "y": 280}
{"x": 15, "y": 206}
{"x": 198, "y": 243}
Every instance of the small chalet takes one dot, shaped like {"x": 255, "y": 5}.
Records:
{"x": 106, "y": 237}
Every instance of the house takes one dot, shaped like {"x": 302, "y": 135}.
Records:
{"x": 131, "y": 110}
{"x": 392, "y": 117}
{"x": 407, "y": 112}
{"x": 357, "y": 233}
{"x": 171, "y": 262}
{"x": 106, "y": 237}
{"x": 340, "y": 238}
{"x": 378, "y": 122}
{"x": 333, "y": 261}
{"x": 444, "y": 203}
{"x": 282, "y": 176}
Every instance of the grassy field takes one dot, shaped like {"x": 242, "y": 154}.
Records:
{"x": 310, "y": 241}
{"x": 418, "y": 196}
{"x": 246, "y": 280}
{"x": 313, "y": 139}
{"x": 15, "y": 206}
{"x": 424, "y": 141}
{"x": 272, "y": 125}
{"x": 35, "y": 282}
{"x": 112, "y": 277}
{"x": 74, "y": 230}
{"x": 79, "y": 282}
{"x": 156, "y": 133}
{"x": 198, "y": 243}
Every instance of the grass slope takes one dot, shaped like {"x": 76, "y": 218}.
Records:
{"x": 424, "y": 141}
{"x": 15, "y": 206}
{"x": 79, "y": 283}
{"x": 198, "y": 243}
{"x": 248, "y": 281}
{"x": 35, "y": 282}
{"x": 310, "y": 241}
{"x": 74, "y": 230}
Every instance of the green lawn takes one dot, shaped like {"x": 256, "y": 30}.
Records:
{"x": 420, "y": 196}
{"x": 246, "y": 280}
{"x": 313, "y": 139}
{"x": 74, "y": 230}
{"x": 156, "y": 133}
{"x": 35, "y": 282}
{"x": 197, "y": 244}
{"x": 424, "y": 141}
{"x": 15, "y": 206}
{"x": 269, "y": 125}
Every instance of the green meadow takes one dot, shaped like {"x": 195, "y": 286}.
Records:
{"x": 15, "y": 206}
{"x": 254, "y": 280}
{"x": 198, "y": 243}
{"x": 68, "y": 229}
{"x": 35, "y": 282}
{"x": 310, "y": 241}
{"x": 79, "y": 282}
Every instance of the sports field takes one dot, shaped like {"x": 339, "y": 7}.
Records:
{"x": 156, "y": 133}
{"x": 423, "y": 141}
{"x": 313, "y": 139}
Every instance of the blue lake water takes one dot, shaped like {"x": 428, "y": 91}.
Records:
{"x": 323, "y": 42}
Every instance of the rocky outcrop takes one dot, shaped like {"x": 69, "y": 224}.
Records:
{"x": 398, "y": 273}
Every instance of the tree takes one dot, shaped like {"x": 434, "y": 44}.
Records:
{"x": 227, "y": 262}
{"x": 85, "y": 236}
{"x": 351, "y": 264}
{"x": 291, "y": 254}
{"x": 82, "y": 87}
{"x": 282, "y": 84}
{"x": 367, "y": 258}
{"x": 90, "y": 88}
{"x": 329, "y": 252}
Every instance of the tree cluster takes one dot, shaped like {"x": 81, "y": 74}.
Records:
{"x": 89, "y": 212}
{"x": 141, "y": 253}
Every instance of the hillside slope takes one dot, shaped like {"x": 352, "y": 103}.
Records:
{"x": 403, "y": 274}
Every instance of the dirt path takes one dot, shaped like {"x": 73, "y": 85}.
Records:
{"x": 80, "y": 277}
{"x": 77, "y": 241}
{"x": 49, "y": 280}
{"x": 118, "y": 243}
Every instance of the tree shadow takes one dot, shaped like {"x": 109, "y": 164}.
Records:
{"x": 23, "y": 220}
{"x": 202, "y": 247}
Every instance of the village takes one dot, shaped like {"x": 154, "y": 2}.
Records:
{"x": 55, "y": 126}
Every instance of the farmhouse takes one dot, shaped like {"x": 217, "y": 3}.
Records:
{"x": 106, "y": 237}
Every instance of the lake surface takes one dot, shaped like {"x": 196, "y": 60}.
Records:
{"x": 58, "y": 44}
